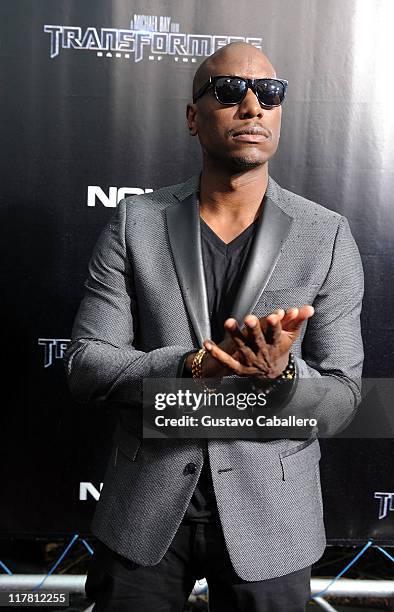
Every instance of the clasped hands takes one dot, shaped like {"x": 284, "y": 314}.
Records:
{"x": 261, "y": 348}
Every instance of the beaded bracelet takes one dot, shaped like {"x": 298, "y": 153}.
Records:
{"x": 288, "y": 374}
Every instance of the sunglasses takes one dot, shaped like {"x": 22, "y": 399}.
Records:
{"x": 231, "y": 90}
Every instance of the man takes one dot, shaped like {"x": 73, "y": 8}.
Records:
{"x": 224, "y": 275}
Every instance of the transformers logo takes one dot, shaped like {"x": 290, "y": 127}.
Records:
{"x": 386, "y": 503}
{"x": 54, "y": 348}
{"x": 152, "y": 36}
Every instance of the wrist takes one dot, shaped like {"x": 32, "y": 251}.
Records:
{"x": 276, "y": 371}
{"x": 287, "y": 375}
{"x": 283, "y": 364}
{"x": 198, "y": 372}
{"x": 289, "y": 372}
{"x": 189, "y": 361}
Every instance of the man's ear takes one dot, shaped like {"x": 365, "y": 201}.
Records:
{"x": 191, "y": 112}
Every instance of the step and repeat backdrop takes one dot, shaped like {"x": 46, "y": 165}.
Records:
{"x": 92, "y": 108}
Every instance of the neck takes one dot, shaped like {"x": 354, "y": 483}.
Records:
{"x": 230, "y": 197}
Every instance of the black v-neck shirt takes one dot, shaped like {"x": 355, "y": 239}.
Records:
{"x": 224, "y": 266}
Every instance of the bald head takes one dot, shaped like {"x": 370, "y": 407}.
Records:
{"x": 225, "y": 61}
{"x": 220, "y": 126}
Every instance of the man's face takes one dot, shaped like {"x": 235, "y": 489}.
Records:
{"x": 221, "y": 129}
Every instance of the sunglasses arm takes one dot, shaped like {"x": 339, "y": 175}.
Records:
{"x": 200, "y": 92}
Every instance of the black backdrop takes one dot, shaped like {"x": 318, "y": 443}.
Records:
{"x": 93, "y": 102}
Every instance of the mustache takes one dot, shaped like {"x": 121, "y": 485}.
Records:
{"x": 250, "y": 129}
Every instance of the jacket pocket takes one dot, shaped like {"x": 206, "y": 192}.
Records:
{"x": 300, "y": 288}
{"x": 303, "y": 459}
{"x": 287, "y": 297}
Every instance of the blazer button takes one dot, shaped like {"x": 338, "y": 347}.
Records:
{"x": 190, "y": 468}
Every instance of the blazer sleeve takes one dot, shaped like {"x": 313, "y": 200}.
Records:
{"x": 101, "y": 361}
{"x": 332, "y": 348}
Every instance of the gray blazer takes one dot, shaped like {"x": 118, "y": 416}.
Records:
{"x": 145, "y": 306}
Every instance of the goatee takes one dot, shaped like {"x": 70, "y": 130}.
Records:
{"x": 244, "y": 163}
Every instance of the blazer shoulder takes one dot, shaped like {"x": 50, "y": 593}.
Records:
{"x": 303, "y": 209}
{"x": 155, "y": 200}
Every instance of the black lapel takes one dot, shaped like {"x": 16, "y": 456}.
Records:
{"x": 272, "y": 230}
{"x": 183, "y": 224}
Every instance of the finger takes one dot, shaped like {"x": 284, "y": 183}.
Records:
{"x": 263, "y": 320}
{"x": 227, "y": 360}
{"x": 240, "y": 338}
{"x": 274, "y": 330}
{"x": 307, "y": 311}
{"x": 258, "y": 339}
{"x": 303, "y": 313}
{"x": 280, "y": 312}
{"x": 211, "y": 367}
{"x": 232, "y": 327}
{"x": 272, "y": 327}
{"x": 290, "y": 315}
{"x": 228, "y": 344}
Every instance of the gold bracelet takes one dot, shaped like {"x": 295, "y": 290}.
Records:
{"x": 197, "y": 369}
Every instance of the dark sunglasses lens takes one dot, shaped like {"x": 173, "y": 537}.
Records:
{"x": 270, "y": 92}
{"x": 230, "y": 90}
